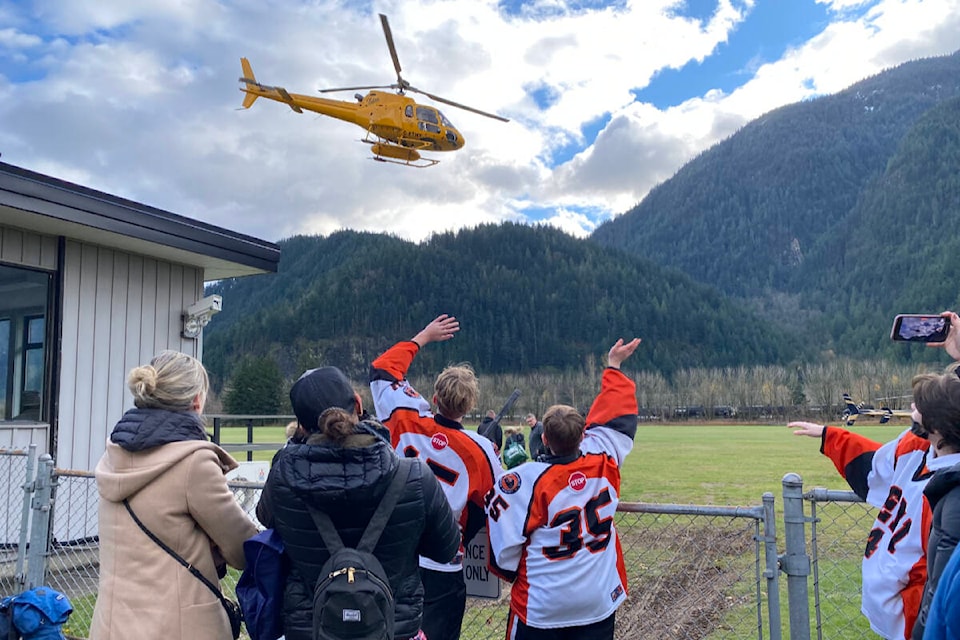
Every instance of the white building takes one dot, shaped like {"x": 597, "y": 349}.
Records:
{"x": 92, "y": 285}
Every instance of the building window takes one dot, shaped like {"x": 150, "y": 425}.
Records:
{"x": 24, "y": 357}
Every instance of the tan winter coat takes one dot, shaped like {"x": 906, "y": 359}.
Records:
{"x": 179, "y": 492}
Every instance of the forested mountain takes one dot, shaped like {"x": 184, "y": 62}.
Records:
{"x": 800, "y": 236}
{"x": 528, "y": 298}
{"x": 899, "y": 248}
{"x": 828, "y": 215}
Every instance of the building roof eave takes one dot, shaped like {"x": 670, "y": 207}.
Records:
{"x": 49, "y": 205}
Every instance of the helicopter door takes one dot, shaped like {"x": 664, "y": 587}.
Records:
{"x": 427, "y": 119}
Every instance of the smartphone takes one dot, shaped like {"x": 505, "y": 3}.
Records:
{"x": 917, "y": 327}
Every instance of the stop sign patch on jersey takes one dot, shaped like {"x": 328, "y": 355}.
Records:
{"x": 439, "y": 441}
{"x": 577, "y": 481}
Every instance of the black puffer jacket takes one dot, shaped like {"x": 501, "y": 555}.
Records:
{"x": 347, "y": 483}
{"x": 943, "y": 493}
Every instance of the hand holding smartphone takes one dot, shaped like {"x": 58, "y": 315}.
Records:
{"x": 918, "y": 327}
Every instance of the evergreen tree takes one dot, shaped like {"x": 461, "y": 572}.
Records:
{"x": 255, "y": 388}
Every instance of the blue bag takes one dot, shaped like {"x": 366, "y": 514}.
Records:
{"x": 38, "y": 614}
{"x": 7, "y": 632}
{"x": 260, "y": 587}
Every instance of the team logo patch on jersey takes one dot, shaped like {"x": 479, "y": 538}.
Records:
{"x": 509, "y": 483}
{"x": 577, "y": 481}
{"x": 616, "y": 593}
{"x": 439, "y": 441}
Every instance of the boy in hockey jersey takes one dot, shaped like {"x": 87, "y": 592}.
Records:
{"x": 551, "y": 521}
{"x": 464, "y": 462}
{"x": 891, "y": 477}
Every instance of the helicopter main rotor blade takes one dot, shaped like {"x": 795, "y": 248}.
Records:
{"x": 372, "y": 86}
{"x": 458, "y": 105}
{"x": 393, "y": 49}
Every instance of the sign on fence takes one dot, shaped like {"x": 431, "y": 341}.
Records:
{"x": 480, "y": 582}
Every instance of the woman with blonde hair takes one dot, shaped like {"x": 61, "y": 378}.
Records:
{"x": 162, "y": 484}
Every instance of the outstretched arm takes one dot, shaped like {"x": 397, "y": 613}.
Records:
{"x": 952, "y": 343}
{"x": 440, "y": 328}
{"x": 611, "y": 423}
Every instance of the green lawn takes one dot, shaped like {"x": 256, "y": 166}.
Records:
{"x": 694, "y": 464}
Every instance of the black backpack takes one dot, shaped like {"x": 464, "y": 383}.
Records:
{"x": 352, "y": 599}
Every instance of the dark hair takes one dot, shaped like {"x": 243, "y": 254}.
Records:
{"x": 337, "y": 424}
{"x": 937, "y": 397}
{"x": 563, "y": 426}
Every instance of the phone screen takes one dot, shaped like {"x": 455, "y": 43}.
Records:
{"x": 920, "y": 328}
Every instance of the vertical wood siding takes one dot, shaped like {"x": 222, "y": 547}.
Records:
{"x": 28, "y": 249}
{"x": 119, "y": 310}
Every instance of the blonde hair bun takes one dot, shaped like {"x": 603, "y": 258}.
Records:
{"x": 142, "y": 382}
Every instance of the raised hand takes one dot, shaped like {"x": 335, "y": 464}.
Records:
{"x": 621, "y": 351}
{"x": 952, "y": 343}
{"x": 440, "y": 328}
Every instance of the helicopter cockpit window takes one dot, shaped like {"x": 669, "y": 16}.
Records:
{"x": 444, "y": 121}
{"x": 427, "y": 115}
{"x": 451, "y": 136}
{"x": 408, "y": 111}
{"x": 427, "y": 119}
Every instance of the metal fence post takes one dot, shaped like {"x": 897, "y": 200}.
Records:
{"x": 772, "y": 572}
{"x": 795, "y": 562}
{"x": 28, "y": 488}
{"x": 250, "y": 440}
{"x": 40, "y": 524}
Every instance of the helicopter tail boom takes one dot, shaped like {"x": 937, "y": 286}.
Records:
{"x": 254, "y": 89}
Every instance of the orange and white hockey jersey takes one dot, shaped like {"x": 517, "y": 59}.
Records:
{"x": 891, "y": 477}
{"x": 464, "y": 462}
{"x": 551, "y": 524}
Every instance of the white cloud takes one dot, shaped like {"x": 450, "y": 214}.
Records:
{"x": 140, "y": 99}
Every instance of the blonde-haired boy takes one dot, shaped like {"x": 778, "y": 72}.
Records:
{"x": 464, "y": 461}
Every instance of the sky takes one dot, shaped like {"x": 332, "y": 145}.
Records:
{"x": 606, "y": 99}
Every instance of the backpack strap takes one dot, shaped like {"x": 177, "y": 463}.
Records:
{"x": 371, "y": 535}
{"x": 378, "y": 522}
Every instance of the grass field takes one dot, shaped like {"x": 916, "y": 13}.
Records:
{"x": 694, "y": 464}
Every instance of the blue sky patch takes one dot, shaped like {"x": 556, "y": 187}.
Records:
{"x": 544, "y": 96}
{"x": 521, "y": 8}
{"x": 700, "y": 10}
{"x": 769, "y": 30}
{"x": 589, "y": 130}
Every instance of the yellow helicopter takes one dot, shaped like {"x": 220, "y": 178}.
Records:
{"x": 398, "y": 128}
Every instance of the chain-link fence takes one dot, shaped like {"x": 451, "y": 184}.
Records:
{"x": 839, "y": 523}
{"x": 694, "y": 571}
{"x": 15, "y": 469}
